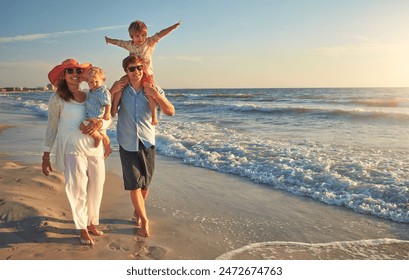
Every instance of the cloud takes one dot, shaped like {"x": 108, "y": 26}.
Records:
{"x": 363, "y": 49}
{"x": 196, "y": 59}
{"x": 33, "y": 37}
{"x": 189, "y": 58}
{"x": 35, "y": 72}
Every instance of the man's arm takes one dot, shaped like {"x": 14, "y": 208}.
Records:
{"x": 116, "y": 94}
{"x": 166, "y": 31}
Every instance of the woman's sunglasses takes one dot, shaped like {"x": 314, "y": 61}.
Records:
{"x": 132, "y": 68}
{"x": 71, "y": 70}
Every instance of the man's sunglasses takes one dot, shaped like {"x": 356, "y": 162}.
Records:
{"x": 132, "y": 68}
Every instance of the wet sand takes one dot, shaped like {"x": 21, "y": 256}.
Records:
{"x": 195, "y": 214}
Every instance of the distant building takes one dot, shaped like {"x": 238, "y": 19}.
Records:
{"x": 50, "y": 87}
{"x": 11, "y": 88}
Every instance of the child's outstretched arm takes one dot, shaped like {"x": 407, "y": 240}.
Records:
{"x": 111, "y": 41}
{"x": 166, "y": 31}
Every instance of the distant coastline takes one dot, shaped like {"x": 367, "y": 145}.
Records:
{"x": 48, "y": 87}
{"x": 26, "y": 91}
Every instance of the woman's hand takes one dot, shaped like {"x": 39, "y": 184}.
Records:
{"x": 46, "y": 164}
{"x": 92, "y": 126}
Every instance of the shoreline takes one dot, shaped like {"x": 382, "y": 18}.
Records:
{"x": 195, "y": 214}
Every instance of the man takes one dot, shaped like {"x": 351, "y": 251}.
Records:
{"x": 136, "y": 135}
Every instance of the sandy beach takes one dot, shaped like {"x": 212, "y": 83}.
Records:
{"x": 194, "y": 216}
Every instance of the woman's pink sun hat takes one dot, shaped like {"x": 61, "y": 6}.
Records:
{"x": 55, "y": 74}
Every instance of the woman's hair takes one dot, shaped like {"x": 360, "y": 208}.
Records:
{"x": 63, "y": 91}
{"x": 132, "y": 58}
{"x": 137, "y": 26}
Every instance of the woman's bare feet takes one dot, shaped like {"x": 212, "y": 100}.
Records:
{"x": 85, "y": 238}
{"x": 93, "y": 230}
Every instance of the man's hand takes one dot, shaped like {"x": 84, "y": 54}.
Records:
{"x": 150, "y": 90}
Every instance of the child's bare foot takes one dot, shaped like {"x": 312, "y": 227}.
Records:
{"x": 108, "y": 151}
{"x": 154, "y": 120}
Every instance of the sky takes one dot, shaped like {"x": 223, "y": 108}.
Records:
{"x": 220, "y": 43}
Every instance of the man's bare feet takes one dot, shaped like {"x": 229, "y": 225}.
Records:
{"x": 85, "y": 239}
{"x": 143, "y": 229}
{"x": 144, "y": 232}
{"x": 138, "y": 220}
{"x": 154, "y": 120}
{"x": 93, "y": 230}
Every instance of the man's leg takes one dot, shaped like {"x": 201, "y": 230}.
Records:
{"x": 138, "y": 201}
{"x": 138, "y": 220}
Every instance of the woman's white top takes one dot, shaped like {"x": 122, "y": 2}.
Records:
{"x": 64, "y": 119}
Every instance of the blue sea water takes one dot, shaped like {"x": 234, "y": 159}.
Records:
{"x": 340, "y": 146}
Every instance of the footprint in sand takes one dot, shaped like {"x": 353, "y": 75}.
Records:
{"x": 156, "y": 252}
{"x": 116, "y": 246}
{"x": 110, "y": 228}
{"x": 149, "y": 252}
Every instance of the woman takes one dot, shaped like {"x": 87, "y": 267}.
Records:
{"x": 82, "y": 163}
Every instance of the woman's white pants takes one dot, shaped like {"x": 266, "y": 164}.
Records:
{"x": 84, "y": 183}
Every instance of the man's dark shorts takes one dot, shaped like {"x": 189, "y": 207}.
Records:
{"x": 137, "y": 167}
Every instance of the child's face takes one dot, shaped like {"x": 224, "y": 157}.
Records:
{"x": 94, "y": 82}
{"x": 138, "y": 38}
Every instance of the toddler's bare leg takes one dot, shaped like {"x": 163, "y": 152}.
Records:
{"x": 107, "y": 145}
{"x": 97, "y": 138}
{"x": 152, "y": 105}
{"x": 96, "y": 135}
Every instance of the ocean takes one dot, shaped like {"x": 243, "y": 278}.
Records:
{"x": 341, "y": 146}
